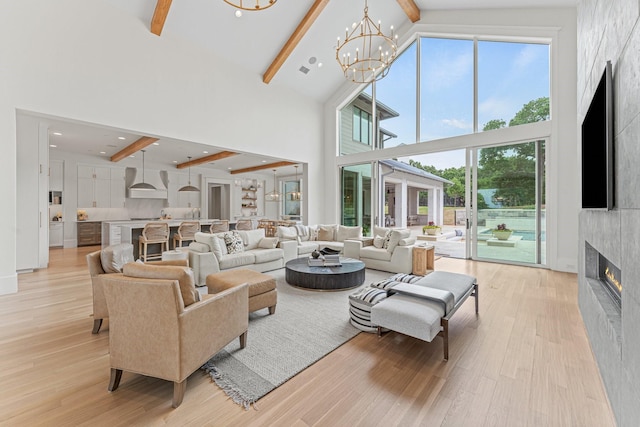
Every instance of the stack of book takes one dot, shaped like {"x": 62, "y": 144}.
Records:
{"x": 316, "y": 262}
{"x": 332, "y": 260}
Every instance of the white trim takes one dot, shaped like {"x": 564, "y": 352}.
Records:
{"x": 9, "y": 284}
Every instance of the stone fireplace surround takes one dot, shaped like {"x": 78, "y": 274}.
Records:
{"x": 611, "y": 31}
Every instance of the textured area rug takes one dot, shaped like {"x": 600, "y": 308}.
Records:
{"x": 306, "y": 326}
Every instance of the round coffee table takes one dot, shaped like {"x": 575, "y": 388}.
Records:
{"x": 349, "y": 275}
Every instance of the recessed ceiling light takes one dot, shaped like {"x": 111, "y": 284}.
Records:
{"x": 132, "y": 156}
{"x": 264, "y": 161}
{"x": 53, "y": 145}
{"x": 175, "y": 161}
{"x": 122, "y": 137}
{"x": 238, "y": 14}
{"x": 156, "y": 143}
{"x": 229, "y": 168}
{"x": 312, "y": 60}
{"x": 103, "y": 152}
{"x": 57, "y": 133}
{"x": 319, "y": 64}
{"x": 111, "y": 145}
{"x": 205, "y": 152}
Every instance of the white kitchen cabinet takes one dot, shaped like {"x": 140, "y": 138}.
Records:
{"x": 94, "y": 187}
{"x": 117, "y": 190}
{"x": 56, "y": 175}
{"x": 56, "y": 234}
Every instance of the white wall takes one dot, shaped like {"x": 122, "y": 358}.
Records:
{"x": 559, "y": 25}
{"x": 87, "y": 61}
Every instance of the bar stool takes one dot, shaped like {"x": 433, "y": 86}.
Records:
{"x": 186, "y": 233}
{"x": 219, "y": 226}
{"x": 153, "y": 233}
{"x": 244, "y": 224}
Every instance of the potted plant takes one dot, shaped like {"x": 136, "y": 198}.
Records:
{"x": 431, "y": 229}
{"x": 501, "y": 232}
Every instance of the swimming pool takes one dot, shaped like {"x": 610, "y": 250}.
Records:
{"x": 526, "y": 235}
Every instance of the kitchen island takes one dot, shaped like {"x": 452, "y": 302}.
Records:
{"x": 129, "y": 231}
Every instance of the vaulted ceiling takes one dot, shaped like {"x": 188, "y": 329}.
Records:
{"x": 275, "y": 44}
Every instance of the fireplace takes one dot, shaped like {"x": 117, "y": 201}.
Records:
{"x": 606, "y": 273}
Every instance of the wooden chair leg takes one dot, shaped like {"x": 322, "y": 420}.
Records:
{"x": 243, "y": 340}
{"x": 114, "y": 381}
{"x": 272, "y": 309}
{"x": 178, "y": 392}
{"x": 97, "y": 323}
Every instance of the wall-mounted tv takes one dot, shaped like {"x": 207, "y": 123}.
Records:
{"x": 597, "y": 147}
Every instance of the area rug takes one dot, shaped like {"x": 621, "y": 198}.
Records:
{"x": 306, "y": 326}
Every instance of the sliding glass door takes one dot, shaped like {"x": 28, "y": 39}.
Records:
{"x": 508, "y": 203}
{"x": 356, "y": 196}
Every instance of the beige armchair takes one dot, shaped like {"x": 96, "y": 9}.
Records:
{"x": 154, "y": 332}
{"x": 112, "y": 255}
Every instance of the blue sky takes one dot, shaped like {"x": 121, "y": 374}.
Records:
{"x": 509, "y": 76}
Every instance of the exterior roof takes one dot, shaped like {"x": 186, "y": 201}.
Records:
{"x": 384, "y": 111}
{"x": 403, "y": 167}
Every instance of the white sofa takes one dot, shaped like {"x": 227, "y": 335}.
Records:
{"x": 312, "y": 237}
{"x": 395, "y": 256}
{"x": 210, "y": 254}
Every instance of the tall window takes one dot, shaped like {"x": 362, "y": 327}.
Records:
{"x": 444, "y": 87}
{"x": 362, "y": 126}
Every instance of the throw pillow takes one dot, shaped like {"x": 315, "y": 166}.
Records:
{"x": 313, "y": 232}
{"x": 405, "y": 278}
{"x": 214, "y": 243}
{"x": 287, "y": 233}
{"x": 458, "y": 232}
{"x": 407, "y": 241}
{"x": 268, "y": 243}
{"x": 251, "y": 238}
{"x": 326, "y": 233}
{"x": 380, "y": 231}
{"x": 378, "y": 241}
{"x": 395, "y": 236}
{"x": 385, "y": 284}
{"x": 387, "y": 239}
{"x": 233, "y": 242}
{"x": 344, "y": 233}
{"x": 114, "y": 257}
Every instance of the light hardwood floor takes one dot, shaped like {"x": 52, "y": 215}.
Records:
{"x": 525, "y": 361}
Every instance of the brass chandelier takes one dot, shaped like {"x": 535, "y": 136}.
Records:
{"x": 251, "y": 4}
{"x": 366, "y": 52}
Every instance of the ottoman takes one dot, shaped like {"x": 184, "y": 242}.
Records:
{"x": 262, "y": 287}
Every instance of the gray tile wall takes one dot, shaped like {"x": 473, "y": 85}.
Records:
{"x": 609, "y": 30}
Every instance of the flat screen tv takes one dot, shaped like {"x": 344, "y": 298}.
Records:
{"x": 597, "y": 147}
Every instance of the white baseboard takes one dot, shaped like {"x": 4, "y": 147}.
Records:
{"x": 9, "y": 284}
{"x": 567, "y": 265}
{"x": 70, "y": 243}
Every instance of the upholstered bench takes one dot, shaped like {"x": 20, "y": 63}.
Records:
{"x": 262, "y": 287}
{"x": 422, "y": 309}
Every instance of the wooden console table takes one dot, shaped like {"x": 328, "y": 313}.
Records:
{"x": 423, "y": 260}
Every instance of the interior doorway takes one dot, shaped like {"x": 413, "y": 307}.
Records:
{"x": 218, "y": 201}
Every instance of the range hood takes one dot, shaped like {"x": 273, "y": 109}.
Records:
{"x": 159, "y": 179}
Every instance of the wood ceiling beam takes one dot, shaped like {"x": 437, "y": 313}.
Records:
{"x": 206, "y": 159}
{"x": 261, "y": 167}
{"x": 133, "y": 148}
{"x": 159, "y": 16}
{"x": 411, "y": 9}
{"x": 295, "y": 38}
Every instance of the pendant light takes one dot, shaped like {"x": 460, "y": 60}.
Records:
{"x": 296, "y": 195}
{"x": 189, "y": 187}
{"x": 273, "y": 196}
{"x": 143, "y": 185}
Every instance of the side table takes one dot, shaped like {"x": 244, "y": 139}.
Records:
{"x": 423, "y": 260}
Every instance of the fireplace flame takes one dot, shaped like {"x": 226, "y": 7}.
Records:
{"x": 612, "y": 279}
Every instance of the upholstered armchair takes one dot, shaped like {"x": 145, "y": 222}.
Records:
{"x": 107, "y": 261}
{"x": 158, "y": 328}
